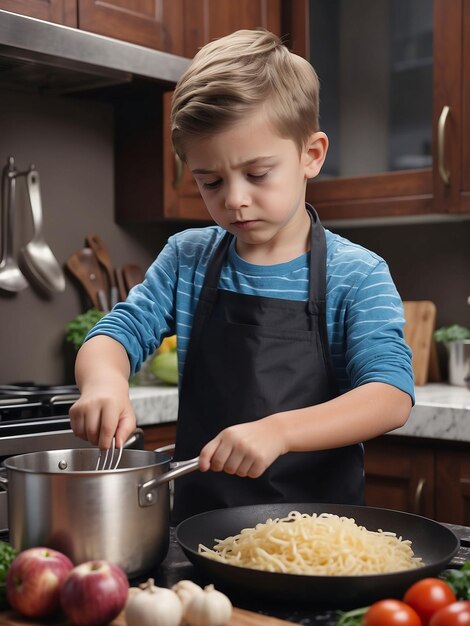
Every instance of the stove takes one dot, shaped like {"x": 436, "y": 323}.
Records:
{"x": 35, "y": 418}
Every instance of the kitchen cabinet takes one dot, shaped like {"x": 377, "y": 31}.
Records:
{"x": 388, "y": 71}
{"x": 139, "y": 163}
{"x": 426, "y": 477}
{"x": 58, "y": 11}
{"x": 159, "y": 435}
{"x": 176, "y": 26}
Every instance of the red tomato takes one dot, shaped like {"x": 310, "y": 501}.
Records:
{"x": 428, "y": 596}
{"x": 455, "y": 614}
{"x": 391, "y": 613}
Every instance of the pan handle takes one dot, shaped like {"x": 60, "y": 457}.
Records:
{"x": 148, "y": 492}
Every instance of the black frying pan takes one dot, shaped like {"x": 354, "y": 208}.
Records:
{"x": 431, "y": 541}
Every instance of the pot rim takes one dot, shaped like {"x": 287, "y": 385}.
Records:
{"x": 8, "y": 463}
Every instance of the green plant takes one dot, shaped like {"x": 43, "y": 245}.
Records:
{"x": 454, "y": 332}
{"x": 77, "y": 329}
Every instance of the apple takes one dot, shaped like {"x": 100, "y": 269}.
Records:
{"x": 94, "y": 593}
{"x": 34, "y": 579}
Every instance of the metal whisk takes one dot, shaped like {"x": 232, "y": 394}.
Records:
{"x": 111, "y": 455}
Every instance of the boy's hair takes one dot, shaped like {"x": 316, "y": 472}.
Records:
{"x": 232, "y": 76}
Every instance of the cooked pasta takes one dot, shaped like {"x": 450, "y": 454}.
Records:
{"x": 322, "y": 545}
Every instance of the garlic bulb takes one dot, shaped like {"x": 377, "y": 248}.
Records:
{"x": 209, "y": 608}
{"x": 153, "y": 606}
{"x": 185, "y": 590}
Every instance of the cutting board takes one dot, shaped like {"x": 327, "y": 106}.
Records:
{"x": 240, "y": 617}
{"x": 420, "y": 316}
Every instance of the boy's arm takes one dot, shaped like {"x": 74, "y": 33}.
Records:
{"x": 358, "y": 415}
{"x": 104, "y": 409}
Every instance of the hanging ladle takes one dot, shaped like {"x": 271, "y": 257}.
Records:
{"x": 37, "y": 255}
{"x": 11, "y": 277}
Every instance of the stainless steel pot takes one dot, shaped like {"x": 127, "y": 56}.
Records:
{"x": 57, "y": 499}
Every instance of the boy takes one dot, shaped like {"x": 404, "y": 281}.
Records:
{"x": 290, "y": 340}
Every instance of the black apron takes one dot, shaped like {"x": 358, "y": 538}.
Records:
{"x": 249, "y": 357}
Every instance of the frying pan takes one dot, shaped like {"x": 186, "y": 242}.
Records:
{"x": 431, "y": 541}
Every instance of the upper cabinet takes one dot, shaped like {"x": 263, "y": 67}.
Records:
{"x": 57, "y": 11}
{"x": 395, "y": 100}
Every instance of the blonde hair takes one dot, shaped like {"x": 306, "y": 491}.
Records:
{"x": 232, "y": 76}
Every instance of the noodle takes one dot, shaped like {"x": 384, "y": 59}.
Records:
{"x": 323, "y": 545}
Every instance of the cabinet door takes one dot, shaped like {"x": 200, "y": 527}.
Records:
{"x": 205, "y": 21}
{"x": 181, "y": 197}
{"x": 399, "y": 476}
{"x": 151, "y": 23}
{"x": 453, "y": 487}
{"x": 387, "y": 69}
{"x": 159, "y": 435}
{"x": 465, "y": 197}
{"x": 57, "y": 11}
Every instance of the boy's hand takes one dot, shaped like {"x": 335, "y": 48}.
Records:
{"x": 244, "y": 449}
{"x": 99, "y": 416}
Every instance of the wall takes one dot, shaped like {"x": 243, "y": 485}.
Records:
{"x": 71, "y": 143}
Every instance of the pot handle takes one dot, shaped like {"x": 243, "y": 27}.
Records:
{"x": 148, "y": 492}
{"x": 3, "y": 480}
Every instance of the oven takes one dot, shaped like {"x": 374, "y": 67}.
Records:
{"x": 35, "y": 418}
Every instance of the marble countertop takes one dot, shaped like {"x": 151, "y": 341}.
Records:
{"x": 441, "y": 411}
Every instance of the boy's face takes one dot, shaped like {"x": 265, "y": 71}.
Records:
{"x": 253, "y": 184}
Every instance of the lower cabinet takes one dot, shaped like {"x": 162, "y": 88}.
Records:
{"x": 426, "y": 477}
{"x": 159, "y": 435}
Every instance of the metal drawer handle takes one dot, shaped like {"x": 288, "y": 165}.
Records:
{"x": 419, "y": 495}
{"x": 441, "y": 134}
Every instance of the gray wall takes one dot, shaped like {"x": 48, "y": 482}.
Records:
{"x": 71, "y": 143}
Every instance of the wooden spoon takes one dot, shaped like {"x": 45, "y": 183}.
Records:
{"x": 85, "y": 267}
{"x": 102, "y": 254}
{"x": 133, "y": 275}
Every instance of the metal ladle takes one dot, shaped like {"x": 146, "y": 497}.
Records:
{"x": 37, "y": 255}
{"x": 11, "y": 277}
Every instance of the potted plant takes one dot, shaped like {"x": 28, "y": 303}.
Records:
{"x": 456, "y": 339}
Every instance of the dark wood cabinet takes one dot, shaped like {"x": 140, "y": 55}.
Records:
{"x": 159, "y": 435}
{"x": 425, "y": 477}
{"x": 57, "y": 11}
{"x": 155, "y": 24}
{"x": 417, "y": 191}
{"x": 400, "y": 476}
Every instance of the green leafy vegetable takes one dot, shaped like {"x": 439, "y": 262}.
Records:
{"x": 78, "y": 328}
{"x": 352, "y": 618}
{"x": 455, "y": 332}
{"x": 7, "y": 554}
{"x": 459, "y": 580}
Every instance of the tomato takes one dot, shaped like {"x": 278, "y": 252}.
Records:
{"x": 428, "y": 596}
{"x": 455, "y": 614}
{"x": 391, "y": 613}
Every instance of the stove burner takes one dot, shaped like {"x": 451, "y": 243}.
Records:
{"x": 21, "y": 402}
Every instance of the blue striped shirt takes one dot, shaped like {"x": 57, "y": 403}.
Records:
{"x": 364, "y": 310}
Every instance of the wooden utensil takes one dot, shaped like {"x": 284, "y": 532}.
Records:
{"x": 133, "y": 275}
{"x": 240, "y": 617}
{"x": 85, "y": 267}
{"x": 104, "y": 259}
{"x": 420, "y": 316}
{"x": 120, "y": 283}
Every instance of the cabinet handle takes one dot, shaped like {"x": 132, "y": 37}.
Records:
{"x": 419, "y": 495}
{"x": 441, "y": 134}
{"x": 178, "y": 170}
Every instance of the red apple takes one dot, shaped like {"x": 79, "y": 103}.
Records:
{"x": 94, "y": 593}
{"x": 34, "y": 579}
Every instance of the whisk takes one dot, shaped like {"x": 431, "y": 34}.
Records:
{"x": 111, "y": 455}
